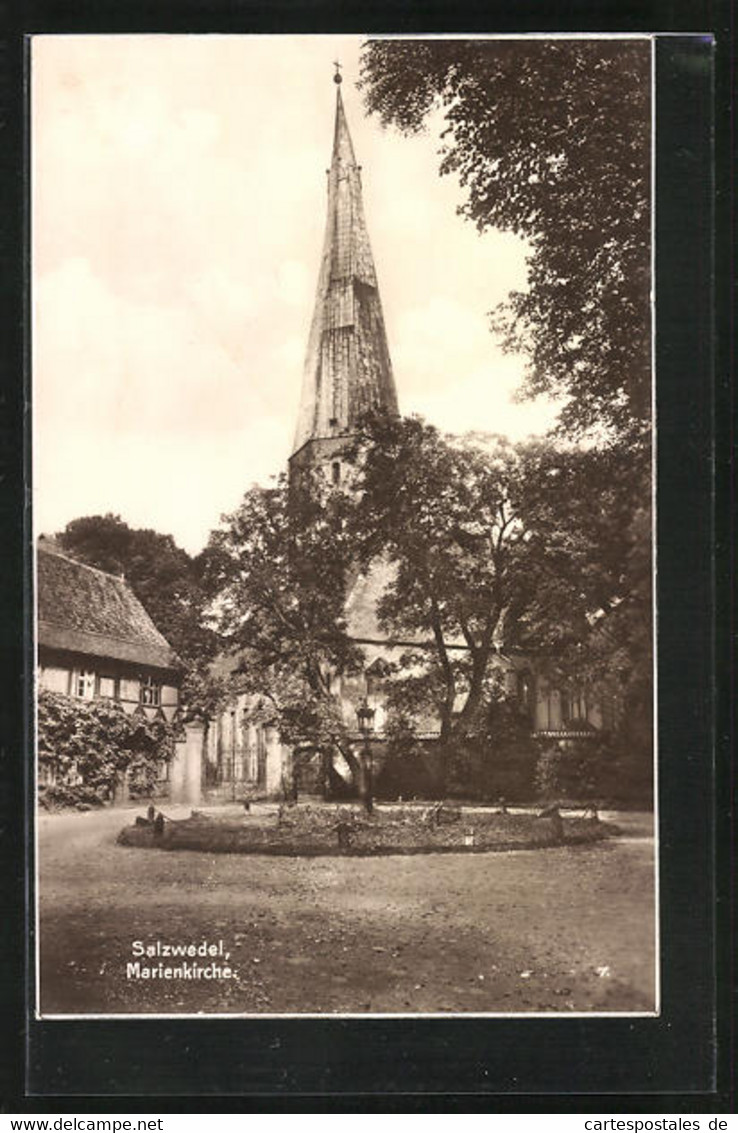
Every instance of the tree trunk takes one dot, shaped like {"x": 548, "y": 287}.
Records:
{"x": 480, "y": 654}
{"x": 360, "y": 775}
{"x": 469, "y": 716}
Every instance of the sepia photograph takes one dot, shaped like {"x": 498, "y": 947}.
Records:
{"x": 343, "y": 505}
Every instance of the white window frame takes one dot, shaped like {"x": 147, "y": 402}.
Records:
{"x": 150, "y": 692}
{"x": 85, "y": 681}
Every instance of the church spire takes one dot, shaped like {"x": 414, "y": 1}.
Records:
{"x": 347, "y": 366}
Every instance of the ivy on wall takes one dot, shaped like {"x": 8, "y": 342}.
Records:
{"x": 84, "y": 746}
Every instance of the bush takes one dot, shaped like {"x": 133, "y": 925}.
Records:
{"x": 480, "y": 770}
{"x": 567, "y": 770}
{"x": 86, "y": 744}
{"x": 61, "y": 795}
{"x": 411, "y": 774}
{"x": 498, "y": 763}
{"x": 593, "y": 769}
{"x": 412, "y": 768}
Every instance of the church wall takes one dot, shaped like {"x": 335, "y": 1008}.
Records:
{"x": 326, "y": 455}
{"x": 277, "y": 762}
{"x": 243, "y": 756}
{"x": 555, "y": 711}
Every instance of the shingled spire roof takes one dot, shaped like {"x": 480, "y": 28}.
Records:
{"x": 347, "y": 368}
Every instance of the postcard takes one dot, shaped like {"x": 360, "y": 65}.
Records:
{"x": 344, "y": 516}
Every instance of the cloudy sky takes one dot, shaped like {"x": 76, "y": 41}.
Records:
{"x": 178, "y": 195}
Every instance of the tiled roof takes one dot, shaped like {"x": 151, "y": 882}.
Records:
{"x": 85, "y": 610}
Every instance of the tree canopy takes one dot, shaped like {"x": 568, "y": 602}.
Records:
{"x": 277, "y": 572}
{"x": 164, "y": 577}
{"x": 550, "y": 139}
{"x": 496, "y": 548}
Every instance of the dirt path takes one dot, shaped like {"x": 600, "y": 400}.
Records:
{"x": 568, "y": 929}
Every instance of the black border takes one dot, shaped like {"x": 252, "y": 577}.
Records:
{"x": 667, "y": 1064}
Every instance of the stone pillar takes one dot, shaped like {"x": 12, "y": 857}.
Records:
{"x": 556, "y": 720}
{"x": 275, "y": 763}
{"x": 542, "y": 707}
{"x": 122, "y": 789}
{"x": 185, "y": 777}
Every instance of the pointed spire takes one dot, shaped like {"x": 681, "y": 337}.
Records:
{"x": 347, "y": 367}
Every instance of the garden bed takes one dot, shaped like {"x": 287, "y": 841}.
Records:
{"x": 318, "y": 830}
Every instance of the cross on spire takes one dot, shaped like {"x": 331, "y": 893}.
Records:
{"x": 337, "y": 77}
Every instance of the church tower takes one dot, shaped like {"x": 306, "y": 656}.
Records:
{"x": 347, "y": 368}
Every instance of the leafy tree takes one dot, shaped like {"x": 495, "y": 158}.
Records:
{"x": 616, "y": 658}
{"x": 550, "y": 140}
{"x": 495, "y": 547}
{"x": 277, "y": 572}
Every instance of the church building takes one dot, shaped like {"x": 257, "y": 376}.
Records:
{"x": 347, "y": 373}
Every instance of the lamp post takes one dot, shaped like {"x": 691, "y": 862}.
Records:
{"x": 233, "y": 754}
{"x": 365, "y": 717}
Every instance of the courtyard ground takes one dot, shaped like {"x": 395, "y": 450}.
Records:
{"x": 567, "y": 929}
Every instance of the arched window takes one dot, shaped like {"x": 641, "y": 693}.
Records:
{"x": 525, "y": 693}
{"x": 336, "y": 472}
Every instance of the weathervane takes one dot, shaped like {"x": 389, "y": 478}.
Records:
{"x": 337, "y": 77}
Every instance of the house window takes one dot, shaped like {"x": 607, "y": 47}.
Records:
{"x": 150, "y": 691}
{"x": 84, "y": 684}
{"x": 336, "y": 472}
{"x": 107, "y": 687}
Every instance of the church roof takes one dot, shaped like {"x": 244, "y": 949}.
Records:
{"x": 347, "y": 367}
{"x": 85, "y": 610}
{"x": 363, "y": 626}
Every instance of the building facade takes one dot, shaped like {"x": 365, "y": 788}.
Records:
{"x": 95, "y": 641}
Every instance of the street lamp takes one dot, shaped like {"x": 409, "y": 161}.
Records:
{"x": 233, "y": 754}
{"x": 365, "y": 717}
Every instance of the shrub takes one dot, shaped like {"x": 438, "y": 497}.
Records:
{"x": 570, "y": 769}
{"x": 499, "y": 762}
{"x": 86, "y": 744}
{"x": 414, "y": 773}
{"x": 478, "y": 769}
{"x": 412, "y": 768}
{"x": 60, "y": 795}
{"x": 593, "y": 769}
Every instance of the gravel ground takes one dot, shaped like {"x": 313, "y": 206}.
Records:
{"x": 569, "y": 929}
